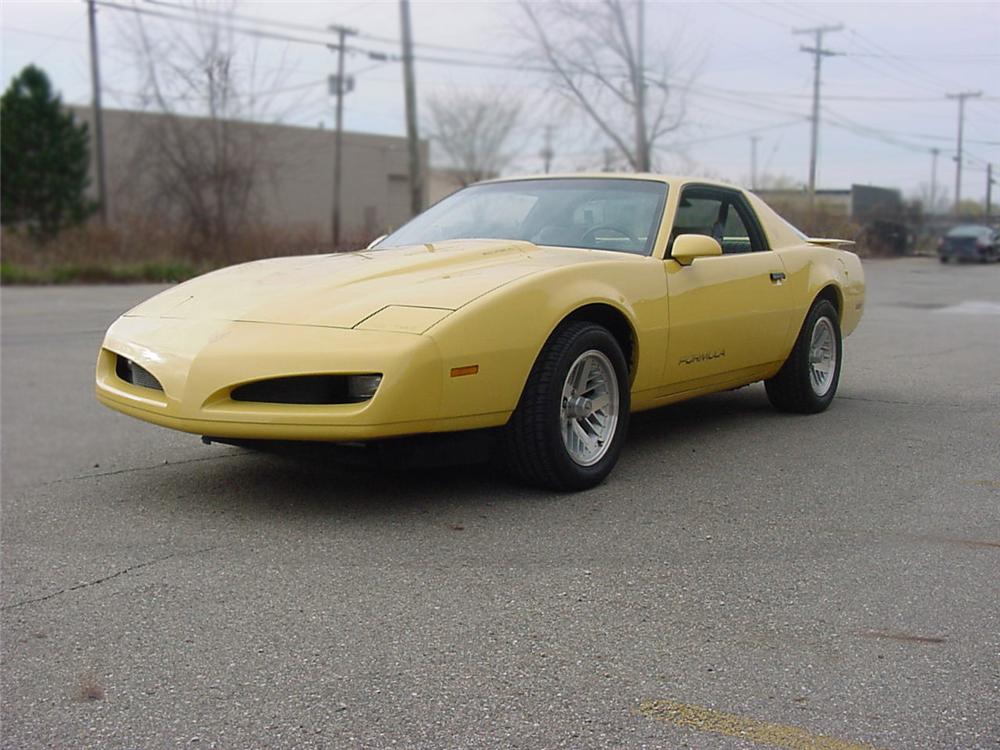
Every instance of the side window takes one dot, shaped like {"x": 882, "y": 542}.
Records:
{"x": 719, "y": 214}
{"x": 737, "y": 237}
{"x": 697, "y": 214}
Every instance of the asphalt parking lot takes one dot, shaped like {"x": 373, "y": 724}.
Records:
{"x": 743, "y": 579}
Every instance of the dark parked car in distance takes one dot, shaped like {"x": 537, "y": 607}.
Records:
{"x": 969, "y": 242}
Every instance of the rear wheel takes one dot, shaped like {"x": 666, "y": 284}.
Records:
{"x": 568, "y": 429}
{"x": 807, "y": 382}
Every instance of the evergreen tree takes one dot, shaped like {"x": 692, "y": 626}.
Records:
{"x": 45, "y": 157}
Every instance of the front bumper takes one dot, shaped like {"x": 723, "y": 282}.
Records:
{"x": 964, "y": 251}
{"x": 199, "y": 363}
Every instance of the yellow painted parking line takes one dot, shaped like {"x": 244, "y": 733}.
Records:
{"x": 732, "y": 725}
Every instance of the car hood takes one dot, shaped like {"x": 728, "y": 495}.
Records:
{"x": 342, "y": 290}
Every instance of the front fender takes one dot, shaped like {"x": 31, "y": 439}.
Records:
{"x": 504, "y": 331}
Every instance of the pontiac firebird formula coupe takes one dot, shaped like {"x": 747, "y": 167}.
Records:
{"x": 548, "y": 308}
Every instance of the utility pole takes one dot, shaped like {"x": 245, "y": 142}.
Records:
{"x": 639, "y": 82}
{"x": 934, "y": 157}
{"x": 819, "y": 53}
{"x": 547, "y": 153}
{"x": 412, "y": 137}
{"x": 339, "y": 91}
{"x": 961, "y": 97}
{"x": 989, "y": 189}
{"x": 95, "y": 82}
{"x": 753, "y": 161}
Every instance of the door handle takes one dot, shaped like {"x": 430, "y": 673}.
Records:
{"x": 777, "y": 276}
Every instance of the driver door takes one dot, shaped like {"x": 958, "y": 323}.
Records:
{"x": 729, "y": 314}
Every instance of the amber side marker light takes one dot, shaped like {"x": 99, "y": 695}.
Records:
{"x": 457, "y": 372}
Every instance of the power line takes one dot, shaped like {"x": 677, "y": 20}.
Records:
{"x": 880, "y": 70}
{"x": 892, "y": 59}
{"x": 710, "y": 93}
{"x": 812, "y": 16}
{"x": 373, "y": 54}
{"x": 905, "y": 134}
{"x": 746, "y": 10}
{"x": 739, "y": 98}
{"x": 971, "y": 57}
{"x": 203, "y": 22}
{"x": 735, "y": 134}
{"x": 839, "y": 121}
{"x": 204, "y": 97}
{"x": 292, "y": 26}
{"x": 380, "y": 55}
{"x": 383, "y": 57}
{"x": 46, "y": 35}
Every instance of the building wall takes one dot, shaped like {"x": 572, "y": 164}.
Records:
{"x": 295, "y": 188}
{"x": 861, "y": 203}
{"x": 444, "y": 181}
{"x": 837, "y": 202}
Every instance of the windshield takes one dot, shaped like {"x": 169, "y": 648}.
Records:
{"x": 622, "y": 215}
{"x": 969, "y": 230}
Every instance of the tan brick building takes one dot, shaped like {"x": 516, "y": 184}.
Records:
{"x": 294, "y": 184}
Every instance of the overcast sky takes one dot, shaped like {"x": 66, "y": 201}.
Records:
{"x": 884, "y": 106}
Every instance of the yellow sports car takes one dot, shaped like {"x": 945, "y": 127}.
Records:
{"x": 546, "y": 309}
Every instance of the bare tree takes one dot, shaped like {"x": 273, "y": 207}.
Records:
{"x": 936, "y": 203}
{"x": 474, "y": 130}
{"x": 203, "y": 159}
{"x": 596, "y": 51}
{"x": 771, "y": 181}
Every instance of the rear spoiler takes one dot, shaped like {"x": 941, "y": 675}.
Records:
{"x": 828, "y": 242}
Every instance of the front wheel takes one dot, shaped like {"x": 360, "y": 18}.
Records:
{"x": 570, "y": 424}
{"x": 807, "y": 382}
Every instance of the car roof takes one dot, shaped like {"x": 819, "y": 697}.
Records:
{"x": 969, "y": 229}
{"x": 674, "y": 180}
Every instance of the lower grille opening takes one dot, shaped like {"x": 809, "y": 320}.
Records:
{"x": 135, "y": 374}
{"x": 302, "y": 389}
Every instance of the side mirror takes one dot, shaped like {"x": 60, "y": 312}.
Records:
{"x": 375, "y": 241}
{"x": 687, "y": 247}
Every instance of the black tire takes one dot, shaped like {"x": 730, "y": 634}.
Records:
{"x": 944, "y": 259}
{"x": 533, "y": 445}
{"x": 792, "y": 390}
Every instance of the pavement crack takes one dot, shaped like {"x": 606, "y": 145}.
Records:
{"x": 133, "y": 469}
{"x": 103, "y": 579}
{"x": 939, "y": 353}
{"x": 903, "y": 403}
